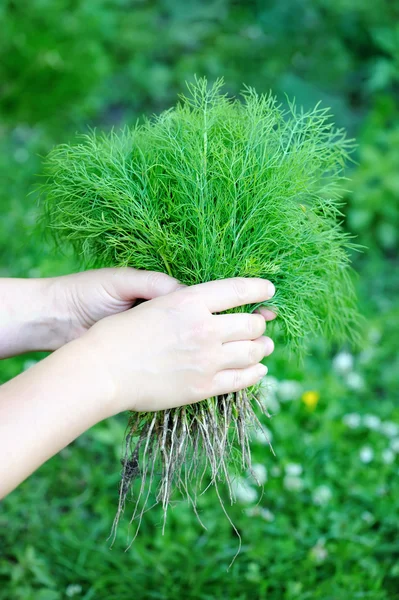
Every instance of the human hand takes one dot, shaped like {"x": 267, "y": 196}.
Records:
{"x": 84, "y": 298}
{"x": 172, "y": 350}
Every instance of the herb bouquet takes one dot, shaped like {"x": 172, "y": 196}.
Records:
{"x": 213, "y": 188}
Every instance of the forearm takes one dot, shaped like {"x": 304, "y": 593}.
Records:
{"x": 30, "y": 316}
{"x": 48, "y": 406}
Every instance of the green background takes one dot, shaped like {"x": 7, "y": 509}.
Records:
{"x": 326, "y": 525}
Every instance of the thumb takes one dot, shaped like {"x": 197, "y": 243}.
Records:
{"x": 128, "y": 284}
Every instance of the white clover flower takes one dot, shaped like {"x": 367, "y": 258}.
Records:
{"x": 388, "y": 456}
{"x": 275, "y": 471}
{"x": 343, "y": 362}
{"x": 352, "y": 420}
{"x": 257, "y": 511}
{"x": 374, "y": 335}
{"x": 293, "y": 483}
{"x": 354, "y": 381}
{"x": 252, "y": 511}
{"x": 262, "y": 436}
{"x": 259, "y": 473}
{"x": 366, "y": 454}
{"x": 372, "y": 422}
{"x": 267, "y": 515}
{"x": 322, "y": 495}
{"x": 368, "y": 517}
{"x": 267, "y": 394}
{"x": 395, "y": 445}
{"x": 73, "y": 589}
{"x": 389, "y": 428}
{"x": 319, "y": 552}
{"x": 293, "y": 469}
{"x": 289, "y": 390}
{"x": 243, "y": 491}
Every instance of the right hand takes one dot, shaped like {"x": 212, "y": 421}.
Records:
{"x": 171, "y": 350}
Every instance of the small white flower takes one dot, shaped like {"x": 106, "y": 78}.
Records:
{"x": 267, "y": 394}
{"x": 388, "y": 456}
{"x": 293, "y": 469}
{"x": 267, "y": 515}
{"x": 343, "y": 362}
{"x": 354, "y": 381}
{"x": 352, "y": 420}
{"x": 374, "y": 335}
{"x": 389, "y": 429}
{"x": 372, "y": 422}
{"x": 289, "y": 390}
{"x": 293, "y": 484}
{"x": 368, "y": 517}
{"x": 73, "y": 589}
{"x": 259, "y": 473}
{"x": 319, "y": 552}
{"x": 252, "y": 511}
{"x": 264, "y": 513}
{"x": 275, "y": 471}
{"x": 269, "y": 382}
{"x": 366, "y": 454}
{"x": 262, "y": 436}
{"x": 322, "y": 495}
{"x": 243, "y": 491}
{"x": 395, "y": 445}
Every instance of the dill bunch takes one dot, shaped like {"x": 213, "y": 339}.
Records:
{"x": 213, "y": 188}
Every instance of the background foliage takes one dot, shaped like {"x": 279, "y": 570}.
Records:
{"x": 326, "y": 525}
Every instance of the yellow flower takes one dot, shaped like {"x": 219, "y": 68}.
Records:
{"x": 310, "y": 398}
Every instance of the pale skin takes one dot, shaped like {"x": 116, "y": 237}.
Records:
{"x": 109, "y": 356}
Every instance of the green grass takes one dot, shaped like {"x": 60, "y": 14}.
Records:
{"x": 130, "y": 58}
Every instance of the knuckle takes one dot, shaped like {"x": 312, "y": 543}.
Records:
{"x": 237, "y": 379}
{"x": 254, "y": 354}
{"x": 240, "y": 287}
{"x": 202, "y": 331}
{"x": 255, "y": 326}
{"x": 154, "y": 280}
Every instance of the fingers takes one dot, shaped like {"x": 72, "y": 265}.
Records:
{"x": 240, "y": 355}
{"x": 233, "y": 380}
{"x": 129, "y": 283}
{"x": 229, "y": 293}
{"x": 240, "y": 326}
{"x": 266, "y": 313}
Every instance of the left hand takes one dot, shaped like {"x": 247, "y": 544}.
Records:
{"x": 87, "y": 297}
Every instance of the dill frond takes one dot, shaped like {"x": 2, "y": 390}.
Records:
{"x": 213, "y": 188}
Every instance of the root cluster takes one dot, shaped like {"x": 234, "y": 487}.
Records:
{"x": 174, "y": 450}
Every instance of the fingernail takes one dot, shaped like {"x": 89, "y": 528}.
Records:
{"x": 262, "y": 370}
{"x": 271, "y": 290}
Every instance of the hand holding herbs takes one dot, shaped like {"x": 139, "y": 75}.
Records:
{"x": 212, "y": 189}
{"x": 167, "y": 350}
{"x": 173, "y": 351}
{"x": 60, "y": 309}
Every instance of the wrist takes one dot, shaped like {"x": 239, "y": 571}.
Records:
{"x": 88, "y": 354}
{"x": 31, "y": 318}
{"x": 79, "y": 366}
